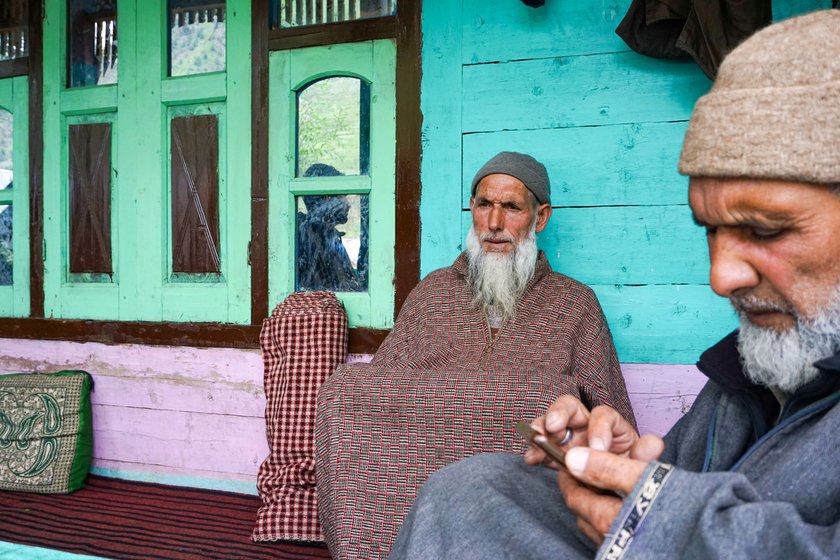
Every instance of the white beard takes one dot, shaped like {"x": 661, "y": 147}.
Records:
{"x": 499, "y": 279}
{"x": 784, "y": 360}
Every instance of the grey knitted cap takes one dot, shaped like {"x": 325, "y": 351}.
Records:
{"x": 522, "y": 166}
{"x": 774, "y": 109}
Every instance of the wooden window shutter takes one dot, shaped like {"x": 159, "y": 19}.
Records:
{"x": 195, "y": 194}
{"x": 90, "y": 198}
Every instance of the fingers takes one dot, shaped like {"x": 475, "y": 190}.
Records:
{"x": 604, "y": 470}
{"x": 596, "y": 511}
{"x": 609, "y": 431}
{"x": 647, "y": 448}
{"x": 567, "y": 412}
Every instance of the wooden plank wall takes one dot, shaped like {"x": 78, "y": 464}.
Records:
{"x": 192, "y": 416}
{"x": 556, "y": 82}
{"x": 195, "y": 416}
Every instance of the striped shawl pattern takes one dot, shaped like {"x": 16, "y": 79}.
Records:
{"x": 441, "y": 389}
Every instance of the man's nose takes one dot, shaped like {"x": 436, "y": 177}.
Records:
{"x": 496, "y": 218}
{"x": 731, "y": 269}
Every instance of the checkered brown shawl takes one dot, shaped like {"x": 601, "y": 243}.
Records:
{"x": 439, "y": 390}
{"x": 302, "y": 343}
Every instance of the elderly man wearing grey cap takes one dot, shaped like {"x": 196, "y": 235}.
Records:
{"x": 751, "y": 470}
{"x": 500, "y": 305}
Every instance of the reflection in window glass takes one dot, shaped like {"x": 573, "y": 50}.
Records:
{"x": 5, "y": 245}
{"x": 197, "y": 37}
{"x": 14, "y": 29}
{"x": 6, "y": 129}
{"x": 292, "y": 13}
{"x": 92, "y": 42}
{"x": 334, "y": 125}
{"x": 332, "y": 243}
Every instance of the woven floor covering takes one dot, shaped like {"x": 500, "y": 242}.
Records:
{"x": 122, "y": 519}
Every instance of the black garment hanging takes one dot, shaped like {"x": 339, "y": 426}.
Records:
{"x": 705, "y": 31}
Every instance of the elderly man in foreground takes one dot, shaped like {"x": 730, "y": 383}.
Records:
{"x": 500, "y": 306}
{"x": 751, "y": 470}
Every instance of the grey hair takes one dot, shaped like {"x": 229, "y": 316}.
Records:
{"x": 536, "y": 203}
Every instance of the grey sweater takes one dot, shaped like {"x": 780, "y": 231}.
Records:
{"x": 733, "y": 483}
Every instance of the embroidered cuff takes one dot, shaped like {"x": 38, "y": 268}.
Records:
{"x": 634, "y": 516}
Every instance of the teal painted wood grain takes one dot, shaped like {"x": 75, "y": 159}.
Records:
{"x": 12, "y": 551}
{"x": 499, "y": 31}
{"x": 783, "y": 9}
{"x": 664, "y": 323}
{"x": 579, "y": 91}
{"x": 502, "y": 31}
{"x": 440, "y": 166}
{"x": 628, "y": 245}
{"x": 601, "y": 165}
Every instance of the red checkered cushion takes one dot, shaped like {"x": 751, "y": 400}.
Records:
{"x": 382, "y": 431}
{"x": 302, "y": 343}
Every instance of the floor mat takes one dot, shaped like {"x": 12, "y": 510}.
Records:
{"x": 122, "y": 519}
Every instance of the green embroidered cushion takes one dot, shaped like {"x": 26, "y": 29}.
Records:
{"x": 46, "y": 431}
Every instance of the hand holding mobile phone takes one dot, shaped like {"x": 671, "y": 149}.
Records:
{"x": 542, "y": 442}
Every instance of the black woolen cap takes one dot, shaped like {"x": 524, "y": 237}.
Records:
{"x": 522, "y": 166}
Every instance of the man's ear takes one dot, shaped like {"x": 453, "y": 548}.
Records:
{"x": 472, "y": 199}
{"x": 543, "y": 214}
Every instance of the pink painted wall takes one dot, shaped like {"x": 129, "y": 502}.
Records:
{"x": 195, "y": 415}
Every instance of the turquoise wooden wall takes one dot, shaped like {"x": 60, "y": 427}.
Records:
{"x": 556, "y": 82}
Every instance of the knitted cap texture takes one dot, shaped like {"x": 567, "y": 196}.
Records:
{"x": 522, "y": 166}
{"x": 774, "y": 109}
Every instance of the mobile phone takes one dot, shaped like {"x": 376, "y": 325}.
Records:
{"x": 541, "y": 441}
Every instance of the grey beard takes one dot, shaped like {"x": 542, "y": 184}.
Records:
{"x": 498, "y": 279}
{"x": 784, "y": 360}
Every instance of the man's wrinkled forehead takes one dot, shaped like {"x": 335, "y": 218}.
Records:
{"x": 773, "y": 199}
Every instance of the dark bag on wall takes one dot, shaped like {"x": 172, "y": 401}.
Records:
{"x": 705, "y": 31}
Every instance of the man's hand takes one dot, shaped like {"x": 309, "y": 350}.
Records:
{"x": 603, "y": 429}
{"x": 596, "y": 482}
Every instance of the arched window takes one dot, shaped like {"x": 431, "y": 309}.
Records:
{"x": 6, "y": 182}
{"x": 332, "y": 140}
{"x": 14, "y": 197}
{"x": 331, "y": 169}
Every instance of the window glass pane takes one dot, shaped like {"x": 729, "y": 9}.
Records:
{"x": 292, "y": 13}
{"x": 6, "y": 130}
{"x": 14, "y": 29}
{"x": 92, "y": 42}
{"x": 332, "y": 243}
{"x": 5, "y": 245}
{"x": 334, "y": 125}
{"x": 197, "y": 37}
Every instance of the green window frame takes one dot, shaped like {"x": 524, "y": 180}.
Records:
{"x": 289, "y": 72}
{"x": 14, "y": 98}
{"x": 140, "y": 107}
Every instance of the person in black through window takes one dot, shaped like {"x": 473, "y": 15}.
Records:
{"x": 323, "y": 262}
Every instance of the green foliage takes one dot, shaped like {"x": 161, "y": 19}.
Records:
{"x": 328, "y": 125}
{"x": 198, "y": 48}
{"x": 6, "y": 129}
